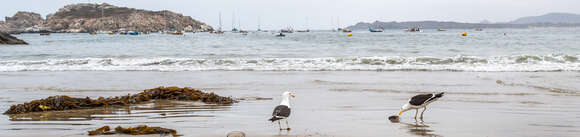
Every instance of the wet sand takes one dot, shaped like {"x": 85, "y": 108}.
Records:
{"x": 340, "y": 103}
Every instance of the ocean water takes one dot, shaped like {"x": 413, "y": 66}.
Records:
{"x": 521, "y": 83}
{"x": 496, "y": 50}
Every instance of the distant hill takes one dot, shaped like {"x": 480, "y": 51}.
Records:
{"x": 429, "y": 25}
{"x": 549, "y": 18}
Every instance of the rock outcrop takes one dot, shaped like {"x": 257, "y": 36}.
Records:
{"x": 6, "y": 38}
{"x": 104, "y": 17}
{"x": 21, "y": 21}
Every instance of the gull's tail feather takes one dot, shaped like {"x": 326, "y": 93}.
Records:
{"x": 274, "y": 119}
{"x": 439, "y": 95}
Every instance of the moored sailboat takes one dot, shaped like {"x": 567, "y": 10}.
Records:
{"x": 376, "y": 29}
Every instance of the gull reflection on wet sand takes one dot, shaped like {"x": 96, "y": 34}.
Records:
{"x": 418, "y": 128}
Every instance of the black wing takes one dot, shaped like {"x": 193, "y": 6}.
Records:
{"x": 281, "y": 111}
{"x": 420, "y": 99}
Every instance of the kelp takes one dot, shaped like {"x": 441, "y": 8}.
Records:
{"x": 139, "y": 130}
{"x": 59, "y": 103}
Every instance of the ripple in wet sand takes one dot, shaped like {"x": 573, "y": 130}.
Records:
{"x": 531, "y": 102}
{"x": 549, "y": 89}
{"x": 423, "y": 92}
{"x": 333, "y": 82}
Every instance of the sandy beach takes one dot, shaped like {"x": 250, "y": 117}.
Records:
{"x": 328, "y": 103}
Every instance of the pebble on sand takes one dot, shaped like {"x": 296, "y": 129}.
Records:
{"x": 236, "y": 134}
{"x": 394, "y": 119}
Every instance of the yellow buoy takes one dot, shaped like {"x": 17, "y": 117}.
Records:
{"x": 43, "y": 107}
{"x": 464, "y": 34}
{"x": 349, "y": 34}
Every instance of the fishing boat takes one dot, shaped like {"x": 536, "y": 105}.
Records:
{"x": 287, "y": 30}
{"x": 133, "y": 33}
{"x": 478, "y": 29}
{"x": 259, "y": 25}
{"x": 44, "y": 32}
{"x": 414, "y": 29}
{"x": 219, "y": 30}
{"x": 235, "y": 30}
{"x": 346, "y": 30}
{"x": 175, "y": 33}
{"x": 305, "y": 26}
{"x": 243, "y": 32}
{"x": 280, "y": 35}
{"x": 303, "y": 30}
{"x": 441, "y": 30}
{"x": 376, "y": 29}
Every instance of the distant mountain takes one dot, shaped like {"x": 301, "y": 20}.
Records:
{"x": 549, "y": 18}
{"x": 485, "y": 22}
{"x": 429, "y": 25}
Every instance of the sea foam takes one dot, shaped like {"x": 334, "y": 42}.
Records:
{"x": 524, "y": 63}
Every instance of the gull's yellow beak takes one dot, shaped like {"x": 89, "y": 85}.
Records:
{"x": 292, "y": 95}
{"x": 400, "y": 112}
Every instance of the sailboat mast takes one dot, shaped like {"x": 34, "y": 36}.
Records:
{"x": 233, "y": 20}
{"x": 306, "y": 25}
{"x": 338, "y": 22}
{"x": 331, "y": 23}
{"x": 102, "y": 15}
{"x": 220, "y": 21}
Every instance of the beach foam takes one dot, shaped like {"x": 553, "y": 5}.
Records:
{"x": 519, "y": 63}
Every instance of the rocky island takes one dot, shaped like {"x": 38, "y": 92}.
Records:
{"x": 79, "y": 18}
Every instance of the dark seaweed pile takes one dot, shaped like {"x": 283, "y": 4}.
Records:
{"x": 139, "y": 130}
{"x": 57, "y": 103}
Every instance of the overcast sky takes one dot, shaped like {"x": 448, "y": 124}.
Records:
{"x": 318, "y": 14}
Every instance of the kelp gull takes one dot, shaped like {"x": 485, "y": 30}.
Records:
{"x": 282, "y": 111}
{"x": 420, "y": 101}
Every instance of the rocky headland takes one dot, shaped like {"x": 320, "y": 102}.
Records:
{"x": 7, "y": 39}
{"x": 79, "y": 18}
{"x": 21, "y": 21}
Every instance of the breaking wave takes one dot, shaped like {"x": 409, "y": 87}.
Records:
{"x": 392, "y": 63}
